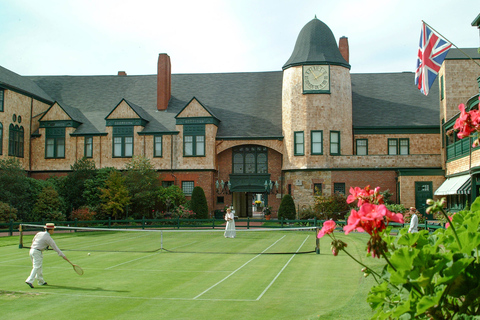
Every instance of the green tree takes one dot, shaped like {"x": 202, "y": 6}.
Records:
{"x": 143, "y": 183}
{"x": 92, "y": 190}
{"x": 48, "y": 205}
{"x": 287, "y": 208}
{"x": 7, "y": 212}
{"x": 74, "y": 187}
{"x": 169, "y": 198}
{"x": 115, "y": 195}
{"x": 17, "y": 189}
{"x": 198, "y": 203}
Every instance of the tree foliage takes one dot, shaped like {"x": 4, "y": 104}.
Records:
{"x": 74, "y": 183}
{"x": 198, "y": 203}
{"x": 48, "y": 205}
{"x": 332, "y": 207}
{"x": 115, "y": 197}
{"x": 7, "y": 212}
{"x": 17, "y": 189}
{"x": 287, "y": 208}
{"x": 170, "y": 198}
{"x": 143, "y": 183}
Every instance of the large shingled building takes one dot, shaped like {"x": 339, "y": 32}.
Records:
{"x": 240, "y": 136}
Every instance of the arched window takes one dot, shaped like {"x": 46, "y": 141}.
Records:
{"x": 15, "y": 141}
{"x": 250, "y": 159}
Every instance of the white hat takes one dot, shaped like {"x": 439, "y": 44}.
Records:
{"x": 49, "y": 226}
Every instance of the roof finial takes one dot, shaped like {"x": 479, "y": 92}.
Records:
{"x": 316, "y": 17}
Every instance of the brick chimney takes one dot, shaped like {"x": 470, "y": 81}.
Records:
{"x": 343, "y": 46}
{"x": 122, "y": 73}
{"x": 164, "y": 81}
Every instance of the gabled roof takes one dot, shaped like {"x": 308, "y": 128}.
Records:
{"x": 24, "y": 85}
{"x": 201, "y": 104}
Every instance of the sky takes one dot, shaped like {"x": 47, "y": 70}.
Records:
{"x": 102, "y": 37}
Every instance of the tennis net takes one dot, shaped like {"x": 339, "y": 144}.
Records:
{"x": 247, "y": 241}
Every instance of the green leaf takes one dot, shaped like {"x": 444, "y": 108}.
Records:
{"x": 428, "y": 301}
{"x": 475, "y": 205}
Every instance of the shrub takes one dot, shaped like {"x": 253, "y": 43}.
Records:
{"x": 287, "y": 208}
{"x": 83, "y": 214}
{"x": 7, "y": 212}
{"x": 332, "y": 207}
{"x": 183, "y": 213}
{"x": 198, "y": 203}
{"x": 48, "y": 205}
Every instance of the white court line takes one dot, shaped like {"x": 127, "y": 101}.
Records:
{"x": 278, "y": 274}
{"x": 133, "y": 298}
{"x": 121, "y": 264}
{"x": 231, "y": 274}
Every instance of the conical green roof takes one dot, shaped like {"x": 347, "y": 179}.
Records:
{"x": 316, "y": 45}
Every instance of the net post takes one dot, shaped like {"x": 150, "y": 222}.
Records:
{"x": 11, "y": 228}
{"x": 317, "y": 242}
{"x": 20, "y": 230}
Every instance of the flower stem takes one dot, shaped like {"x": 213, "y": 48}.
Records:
{"x": 453, "y": 228}
{"x": 388, "y": 261}
{"x": 360, "y": 263}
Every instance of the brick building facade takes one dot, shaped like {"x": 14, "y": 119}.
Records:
{"x": 244, "y": 136}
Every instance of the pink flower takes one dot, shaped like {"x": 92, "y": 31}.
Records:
{"x": 466, "y": 122}
{"x": 328, "y": 227}
{"x": 366, "y": 195}
{"x": 370, "y": 218}
{"x": 448, "y": 223}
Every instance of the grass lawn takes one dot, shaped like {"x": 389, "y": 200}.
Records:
{"x": 128, "y": 284}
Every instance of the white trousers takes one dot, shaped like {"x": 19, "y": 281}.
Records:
{"x": 37, "y": 260}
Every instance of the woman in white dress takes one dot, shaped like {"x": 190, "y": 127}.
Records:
{"x": 230, "y": 227}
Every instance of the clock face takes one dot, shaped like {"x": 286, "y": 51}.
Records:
{"x": 316, "y": 78}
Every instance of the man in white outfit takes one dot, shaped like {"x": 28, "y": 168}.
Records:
{"x": 40, "y": 242}
{"x": 414, "y": 221}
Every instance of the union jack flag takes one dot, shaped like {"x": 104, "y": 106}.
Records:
{"x": 431, "y": 53}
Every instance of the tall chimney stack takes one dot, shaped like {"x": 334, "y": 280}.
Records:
{"x": 343, "y": 47}
{"x": 164, "y": 81}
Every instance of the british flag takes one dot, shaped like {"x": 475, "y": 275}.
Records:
{"x": 431, "y": 53}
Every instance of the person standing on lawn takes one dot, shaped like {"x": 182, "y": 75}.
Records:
{"x": 230, "y": 227}
{"x": 413, "y": 221}
{"x": 40, "y": 242}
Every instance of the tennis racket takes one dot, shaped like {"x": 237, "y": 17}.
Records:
{"x": 77, "y": 268}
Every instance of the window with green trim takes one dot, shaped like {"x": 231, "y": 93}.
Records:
{"x": 339, "y": 187}
{"x": 334, "y": 143}
{"x": 399, "y": 146}
{"x": 392, "y": 146}
{"x": 2, "y": 95}
{"x": 54, "y": 143}
{"x": 88, "y": 147}
{"x": 187, "y": 187}
{"x": 157, "y": 146}
{"x": 404, "y": 146}
{"x": 317, "y": 142}
{"x": 250, "y": 159}
{"x": 123, "y": 142}
{"x": 167, "y": 184}
{"x": 194, "y": 140}
{"x": 15, "y": 141}
{"x": 362, "y": 147}
{"x": 299, "y": 143}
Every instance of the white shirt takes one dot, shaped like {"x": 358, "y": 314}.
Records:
{"x": 229, "y": 216}
{"x": 42, "y": 240}
{"x": 413, "y": 224}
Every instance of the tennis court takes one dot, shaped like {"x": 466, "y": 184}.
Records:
{"x": 258, "y": 275}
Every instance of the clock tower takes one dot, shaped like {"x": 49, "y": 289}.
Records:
{"x": 316, "y": 102}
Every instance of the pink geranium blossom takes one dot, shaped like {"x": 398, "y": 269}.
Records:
{"x": 365, "y": 195}
{"x": 328, "y": 227}
{"x": 371, "y": 218}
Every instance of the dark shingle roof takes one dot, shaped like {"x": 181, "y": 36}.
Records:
{"x": 316, "y": 44}
{"x": 392, "y": 100}
{"x": 21, "y": 84}
{"x": 456, "y": 54}
{"x": 247, "y": 104}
